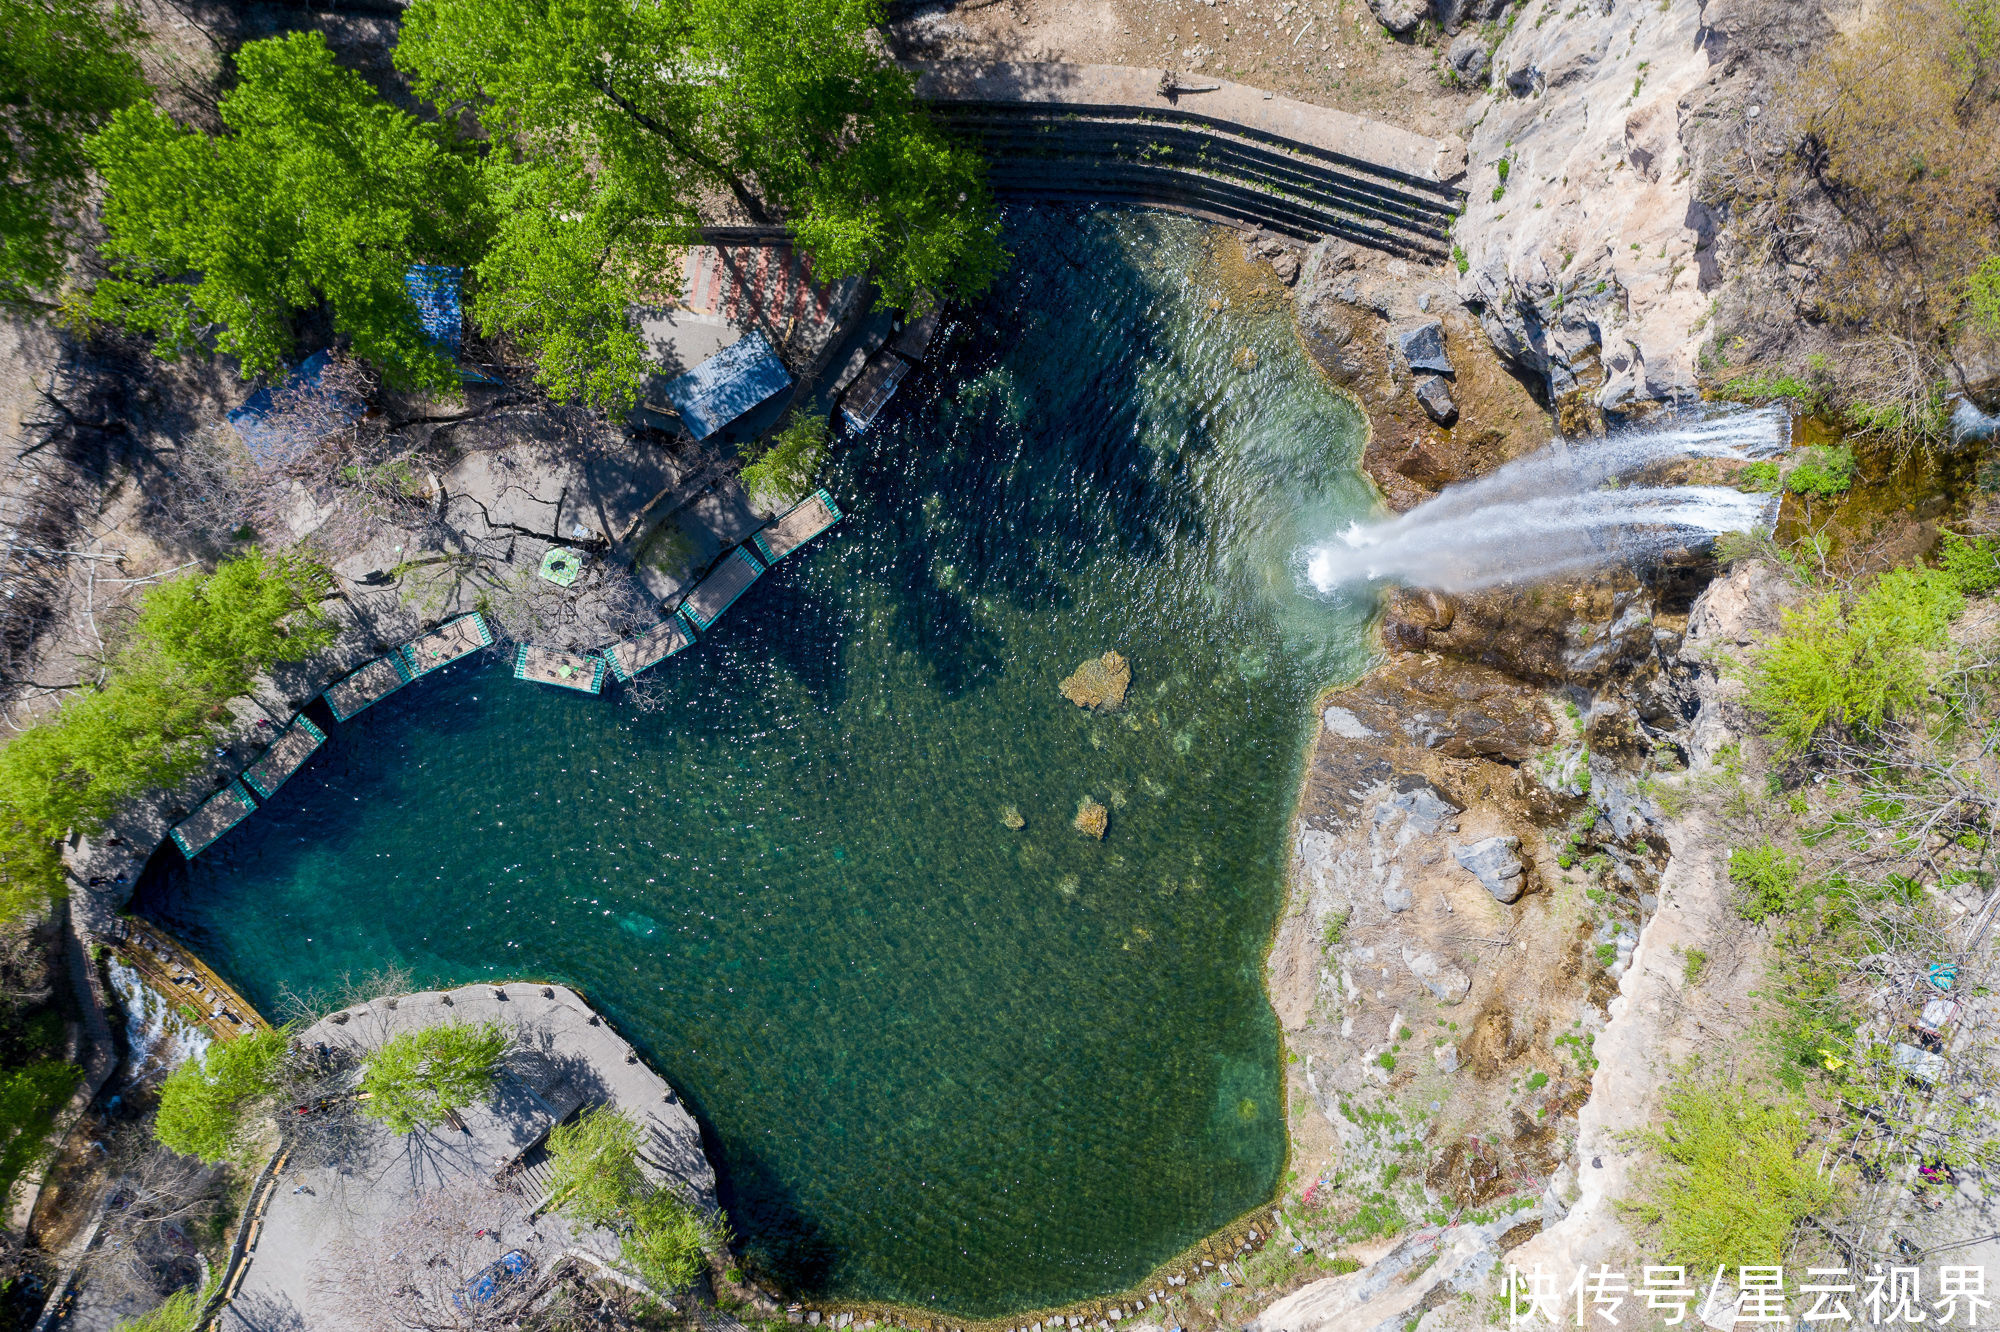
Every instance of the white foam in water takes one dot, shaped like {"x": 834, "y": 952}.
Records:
{"x": 1559, "y": 512}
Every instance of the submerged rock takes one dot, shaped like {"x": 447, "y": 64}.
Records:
{"x": 1099, "y": 684}
{"x": 1092, "y": 818}
{"x": 1492, "y": 861}
{"x": 1012, "y": 818}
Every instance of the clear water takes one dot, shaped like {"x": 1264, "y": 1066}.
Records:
{"x": 942, "y": 1064}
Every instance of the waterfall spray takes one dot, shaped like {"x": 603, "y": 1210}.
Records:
{"x": 1560, "y": 511}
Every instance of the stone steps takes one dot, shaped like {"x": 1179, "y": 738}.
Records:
{"x": 1071, "y": 153}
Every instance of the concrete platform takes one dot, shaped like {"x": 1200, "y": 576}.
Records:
{"x": 566, "y": 1056}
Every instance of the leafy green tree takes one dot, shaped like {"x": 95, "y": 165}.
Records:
{"x": 320, "y": 191}
{"x": 415, "y": 1079}
{"x": 612, "y": 121}
{"x": 204, "y": 1102}
{"x": 63, "y": 72}
{"x": 595, "y": 1165}
{"x": 196, "y": 643}
{"x": 666, "y": 1240}
{"x": 29, "y": 1098}
{"x": 597, "y": 1180}
{"x": 787, "y": 466}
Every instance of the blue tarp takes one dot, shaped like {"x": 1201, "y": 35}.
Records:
{"x": 727, "y": 385}
{"x": 435, "y": 289}
{"x": 278, "y": 442}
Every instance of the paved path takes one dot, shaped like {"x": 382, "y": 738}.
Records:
{"x": 1236, "y": 105}
{"x": 319, "y": 1215}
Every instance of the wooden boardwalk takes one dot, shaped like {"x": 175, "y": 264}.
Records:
{"x": 447, "y": 643}
{"x": 216, "y": 816}
{"x": 564, "y": 670}
{"x": 801, "y": 523}
{"x": 716, "y": 593}
{"x": 367, "y": 686}
{"x": 626, "y": 659}
{"x": 287, "y": 754}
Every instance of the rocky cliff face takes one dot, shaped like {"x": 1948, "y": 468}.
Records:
{"x": 1585, "y": 251}
{"x": 1586, "y": 245}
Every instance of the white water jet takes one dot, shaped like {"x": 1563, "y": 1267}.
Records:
{"x": 1559, "y": 511}
{"x": 152, "y": 1027}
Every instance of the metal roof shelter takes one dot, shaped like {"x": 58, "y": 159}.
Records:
{"x": 727, "y": 385}
{"x": 440, "y": 309}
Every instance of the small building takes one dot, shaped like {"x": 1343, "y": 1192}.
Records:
{"x": 740, "y": 377}
{"x": 435, "y": 288}
{"x": 871, "y": 391}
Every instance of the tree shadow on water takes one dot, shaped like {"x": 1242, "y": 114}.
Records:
{"x": 1026, "y": 452}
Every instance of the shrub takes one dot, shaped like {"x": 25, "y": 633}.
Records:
{"x": 1766, "y": 881}
{"x": 1972, "y": 566}
{"x": 787, "y": 465}
{"x": 1693, "y": 963}
{"x": 1734, "y": 1175}
{"x": 1759, "y": 478}
{"x": 1838, "y": 664}
{"x": 203, "y": 1102}
{"x": 180, "y": 1312}
{"x": 415, "y": 1079}
{"x": 1822, "y": 472}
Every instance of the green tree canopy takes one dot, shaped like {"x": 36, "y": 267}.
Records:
{"x": 63, "y": 71}
{"x": 196, "y": 643}
{"x": 320, "y": 191}
{"x": 415, "y": 1079}
{"x": 203, "y": 1103}
{"x": 611, "y": 122}
{"x": 597, "y": 1180}
{"x": 594, "y": 1165}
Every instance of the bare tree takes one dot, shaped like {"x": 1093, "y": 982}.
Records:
{"x": 432, "y": 1267}
{"x": 158, "y": 1205}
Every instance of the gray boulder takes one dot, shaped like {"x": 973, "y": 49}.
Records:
{"x": 1450, "y": 14}
{"x": 1400, "y": 16}
{"x": 1420, "y": 803}
{"x": 1423, "y": 347}
{"x": 1445, "y": 981}
{"x": 1492, "y": 861}
{"x": 1435, "y": 397}
{"x": 1467, "y": 58}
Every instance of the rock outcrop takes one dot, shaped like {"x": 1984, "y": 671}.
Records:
{"x": 1586, "y": 252}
